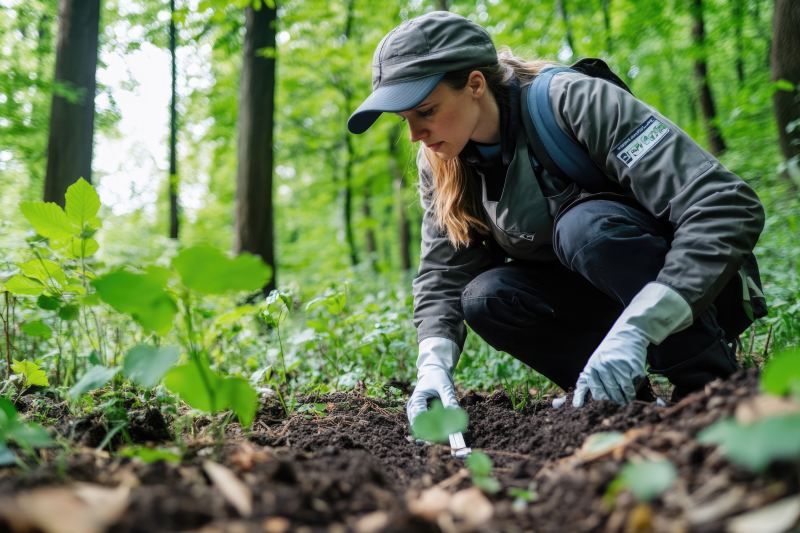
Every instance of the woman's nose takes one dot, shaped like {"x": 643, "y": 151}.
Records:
{"x": 415, "y": 131}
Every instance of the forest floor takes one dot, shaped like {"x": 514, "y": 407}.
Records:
{"x": 352, "y": 467}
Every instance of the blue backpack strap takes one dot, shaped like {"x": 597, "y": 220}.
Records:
{"x": 557, "y": 152}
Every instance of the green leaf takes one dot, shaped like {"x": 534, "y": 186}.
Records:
{"x": 47, "y": 302}
{"x": 44, "y": 270}
{"x": 37, "y": 328}
{"x": 30, "y": 436}
{"x": 437, "y": 423}
{"x": 599, "y": 443}
{"x": 7, "y": 457}
{"x": 69, "y": 312}
{"x": 487, "y": 484}
{"x": 140, "y": 295}
{"x": 8, "y": 413}
{"x": 781, "y": 373}
{"x": 784, "y": 85}
{"x": 208, "y": 271}
{"x": 150, "y": 455}
{"x": 755, "y": 446}
{"x": 22, "y": 286}
{"x": 146, "y": 365}
{"x": 479, "y": 464}
{"x": 94, "y": 378}
{"x": 83, "y": 248}
{"x": 187, "y": 381}
{"x": 647, "y": 479}
{"x": 235, "y": 315}
{"x": 82, "y": 203}
{"x": 242, "y": 399}
{"x": 32, "y": 373}
{"x": 49, "y": 220}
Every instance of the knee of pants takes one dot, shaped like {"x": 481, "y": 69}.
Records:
{"x": 494, "y": 304}
{"x": 477, "y": 299}
{"x": 604, "y": 228}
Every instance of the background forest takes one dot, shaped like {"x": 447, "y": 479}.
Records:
{"x": 250, "y": 152}
{"x": 205, "y": 280}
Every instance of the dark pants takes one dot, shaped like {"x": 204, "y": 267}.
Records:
{"x": 553, "y": 315}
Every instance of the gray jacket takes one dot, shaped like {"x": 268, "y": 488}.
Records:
{"x": 716, "y": 216}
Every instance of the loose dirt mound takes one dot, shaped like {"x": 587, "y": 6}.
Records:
{"x": 356, "y": 469}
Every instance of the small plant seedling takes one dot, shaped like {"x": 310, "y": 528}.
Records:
{"x": 781, "y": 374}
{"x": 755, "y": 445}
{"x": 26, "y": 435}
{"x": 438, "y": 423}
{"x": 31, "y": 372}
{"x": 522, "y": 497}
{"x": 480, "y": 466}
{"x": 645, "y": 479}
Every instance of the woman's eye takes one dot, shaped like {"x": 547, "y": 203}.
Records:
{"x": 428, "y": 112}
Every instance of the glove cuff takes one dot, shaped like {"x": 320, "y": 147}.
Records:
{"x": 438, "y": 352}
{"x": 658, "y": 311}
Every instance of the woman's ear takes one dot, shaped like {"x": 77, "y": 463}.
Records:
{"x": 476, "y": 83}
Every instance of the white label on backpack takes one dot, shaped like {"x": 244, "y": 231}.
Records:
{"x": 641, "y": 141}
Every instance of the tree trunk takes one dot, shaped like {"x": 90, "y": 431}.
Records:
{"x": 715, "y": 140}
{"x": 173, "y": 132}
{"x": 254, "y": 214}
{"x": 785, "y": 65}
{"x": 443, "y": 5}
{"x": 369, "y": 237}
{"x": 347, "y": 192}
{"x": 562, "y": 9}
{"x": 398, "y": 183}
{"x": 69, "y": 148}
{"x": 607, "y": 25}
{"x": 738, "y": 28}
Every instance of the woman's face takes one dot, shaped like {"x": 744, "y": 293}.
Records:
{"x": 448, "y": 118}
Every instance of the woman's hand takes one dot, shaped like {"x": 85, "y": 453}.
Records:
{"x": 437, "y": 359}
{"x": 616, "y": 367}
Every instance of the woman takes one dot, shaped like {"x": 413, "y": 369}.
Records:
{"x": 583, "y": 287}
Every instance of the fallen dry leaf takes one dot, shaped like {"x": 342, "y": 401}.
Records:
{"x": 430, "y": 504}
{"x": 234, "y": 490}
{"x": 276, "y": 524}
{"x": 372, "y": 522}
{"x": 247, "y": 455}
{"x": 721, "y": 506}
{"x": 472, "y": 507}
{"x": 764, "y": 406}
{"x": 775, "y": 518}
{"x": 78, "y": 508}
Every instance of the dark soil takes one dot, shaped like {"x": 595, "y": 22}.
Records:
{"x": 355, "y": 469}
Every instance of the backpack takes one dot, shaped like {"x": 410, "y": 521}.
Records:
{"x": 739, "y": 303}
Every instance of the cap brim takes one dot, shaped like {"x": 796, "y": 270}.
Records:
{"x": 391, "y": 98}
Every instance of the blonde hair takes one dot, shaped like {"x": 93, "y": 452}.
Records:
{"x": 455, "y": 198}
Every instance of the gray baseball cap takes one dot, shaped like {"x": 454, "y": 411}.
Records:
{"x": 413, "y": 58}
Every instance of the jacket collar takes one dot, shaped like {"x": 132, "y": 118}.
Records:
{"x": 509, "y": 125}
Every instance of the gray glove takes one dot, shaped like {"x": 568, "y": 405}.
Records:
{"x": 618, "y": 364}
{"x": 437, "y": 359}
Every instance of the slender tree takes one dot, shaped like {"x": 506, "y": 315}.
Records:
{"x": 606, "y": 4}
{"x": 173, "y": 131}
{"x": 347, "y": 186}
{"x": 564, "y": 12}
{"x": 69, "y": 149}
{"x": 398, "y": 184}
{"x": 254, "y": 209}
{"x": 737, "y": 14}
{"x": 716, "y": 142}
{"x": 785, "y": 65}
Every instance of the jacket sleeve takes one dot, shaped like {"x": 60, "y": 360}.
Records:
{"x": 716, "y": 216}
{"x": 444, "y": 272}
